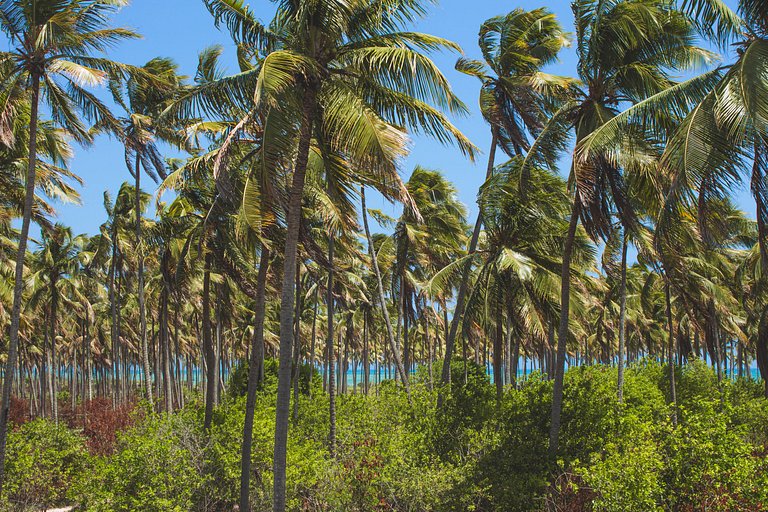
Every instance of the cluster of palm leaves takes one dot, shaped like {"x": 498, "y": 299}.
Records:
{"x": 257, "y": 242}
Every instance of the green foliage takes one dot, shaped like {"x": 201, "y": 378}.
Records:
{"x": 155, "y": 468}
{"x": 472, "y": 453}
{"x": 627, "y": 470}
{"x": 516, "y": 464}
{"x": 468, "y": 404}
{"x": 710, "y": 463}
{"x": 237, "y": 385}
{"x": 42, "y": 462}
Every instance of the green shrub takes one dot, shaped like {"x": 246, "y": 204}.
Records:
{"x": 626, "y": 475}
{"x": 401, "y": 454}
{"x": 156, "y": 468}
{"x": 43, "y": 460}
{"x": 710, "y": 464}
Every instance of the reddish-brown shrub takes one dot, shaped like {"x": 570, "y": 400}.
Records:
{"x": 101, "y": 423}
{"x": 19, "y": 413}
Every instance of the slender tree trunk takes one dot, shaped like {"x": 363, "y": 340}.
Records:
{"x": 366, "y": 355}
{"x": 515, "y": 360}
{"x": 293, "y": 225}
{"x": 54, "y": 359}
{"x": 562, "y": 335}
{"x": 406, "y": 322}
{"x": 165, "y": 344}
{"x": 140, "y": 288}
{"x": 297, "y": 349}
{"x": 18, "y": 286}
{"x": 314, "y": 339}
{"x": 113, "y": 308}
{"x": 218, "y": 354}
{"x": 428, "y": 342}
{"x": 759, "y": 192}
{"x": 331, "y": 380}
{"x": 178, "y": 361}
{"x": 44, "y": 369}
{"x": 622, "y": 315}
{"x": 345, "y": 356}
{"x": 498, "y": 339}
{"x": 382, "y": 299}
{"x": 254, "y": 370}
{"x": 670, "y": 347}
{"x": 208, "y": 353}
{"x": 510, "y": 365}
{"x": 458, "y": 311}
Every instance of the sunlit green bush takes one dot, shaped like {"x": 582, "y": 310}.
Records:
{"x": 43, "y": 460}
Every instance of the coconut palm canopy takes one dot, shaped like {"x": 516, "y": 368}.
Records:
{"x": 297, "y": 223}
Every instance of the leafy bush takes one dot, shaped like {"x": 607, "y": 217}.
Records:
{"x": 709, "y": 463}
{"x": 43, "y": 460}
{"x": 625, "y": 475}
{"x": 397, "y": 454}
{"x": 155, "y": 468}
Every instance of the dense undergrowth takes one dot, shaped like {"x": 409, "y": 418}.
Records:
{"x": 473, "y": 454}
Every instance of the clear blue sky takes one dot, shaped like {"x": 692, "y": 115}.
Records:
{"x": 181, "y": 28}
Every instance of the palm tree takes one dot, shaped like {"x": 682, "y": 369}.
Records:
{"x": 56, "y": 266}
{"x": 722, "y": 140}
{"x": 515, "y": 98}
{"x": 615, "y": 67}
{"x": 366, "y": 72}
{"x": 425, "y": 243}
{"x": 60, "y": 63}
{"x": 514, "y": 287}
{"x": 111, "y": 249}
{"x": 142, "y": 97}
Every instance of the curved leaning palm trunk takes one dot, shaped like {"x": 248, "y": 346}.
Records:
{"x": 382, "y": 299}
{"x": 562, "y": 333}
{"x": 18, "y": 284}
{"x": 450, "y": 342}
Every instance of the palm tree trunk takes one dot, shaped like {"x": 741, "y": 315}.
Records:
{"x": 165, "y": 346}
{"x": 297, "y": 349}
{"x": 345, "y": 356}
{"x": 498, "y": 352}
{"x": 54, "y": 359}
{"x": 44, "y": 366}
{"x": 382, "y": 299}
{"x": 366, "y": 355}
{"x": 759, "y": 193}
{"x": 406, "y": 322}
{"x": 218, "y": 352}
{"x": 293, "y": 225}
{"x": 140, "y": 286}
{"x": 208, "y": 353}
{"x": 314, "y": 339}
{"x": 329, "y": 344}
{"x": 622, "y": 315}
{"x": 18, "y": 284}
{"x": 670, "y": 347}
{"x": 562, "y": 335}
{"x": 458, "y": 311}
{"x": 113, "y": 311}
{"x": 257, "y": 350}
